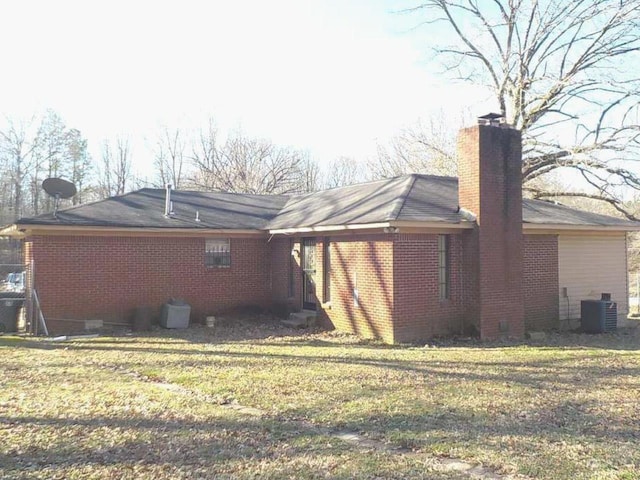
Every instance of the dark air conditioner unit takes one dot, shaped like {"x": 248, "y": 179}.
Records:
{"x": 599, "y": 316}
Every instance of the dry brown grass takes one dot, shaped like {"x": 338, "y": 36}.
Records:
{"x": 153, "y": 406}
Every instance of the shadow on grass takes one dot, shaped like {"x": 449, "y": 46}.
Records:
{"x": 180, "y": 443}
{"x": 266, "y": 335}
{"x": 216, "y": 444}
{"x": 539, "y": 374}
{"x": 622, "y": 339}
{"x": 569, "y": 420}
{"x": 563, "y": 417}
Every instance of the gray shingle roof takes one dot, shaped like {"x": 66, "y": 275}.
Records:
{"x": 409, "y": 197}
{"x": 145, "y": 209}
{"x": 542, "y": 213}
{"x": 415, "y": 197}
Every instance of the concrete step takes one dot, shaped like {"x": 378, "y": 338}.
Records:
{"x": 303, "y": 319}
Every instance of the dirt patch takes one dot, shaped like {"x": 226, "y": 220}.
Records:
{"x": 228, "y": 328}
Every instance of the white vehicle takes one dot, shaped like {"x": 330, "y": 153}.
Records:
{"x": 15, "y": 282}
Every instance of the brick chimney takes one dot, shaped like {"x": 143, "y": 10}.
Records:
{"x": 490, "y": 187}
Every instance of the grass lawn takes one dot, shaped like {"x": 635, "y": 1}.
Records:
{"x": 157, "y": 406}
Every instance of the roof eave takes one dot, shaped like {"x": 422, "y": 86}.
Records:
{"x": 43, "y": 229}
{"x": 560, "y": 227}
{"x": 12, "y": 231}
{"x": 399, "y": 224}
{"x": 22, "y": 230}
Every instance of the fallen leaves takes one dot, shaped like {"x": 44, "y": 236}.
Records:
{"x": 170, "y": 405}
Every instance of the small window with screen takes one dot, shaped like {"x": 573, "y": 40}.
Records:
{"x": 217, "y": 253}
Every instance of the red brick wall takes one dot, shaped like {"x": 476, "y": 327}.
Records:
{"x": 108, "y": 277}
{"x": 31, "y": 324}
{"x": 419, "y": 313}
{"x": 396, "y": 277}
{"x": 323, "y": 311}
{"x": 540, "y": 278}
{"x": 362, "y": 263}
{"x": 490, "y": 186}
{"x": 470, "y": 282}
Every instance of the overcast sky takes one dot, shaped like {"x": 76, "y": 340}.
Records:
{"x": 331, "y": 77}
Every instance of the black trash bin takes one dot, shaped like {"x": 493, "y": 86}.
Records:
{"x": 142, "y": 319}
{"x": 10, "y": 303}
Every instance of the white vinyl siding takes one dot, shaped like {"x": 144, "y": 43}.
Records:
{"x": 588, "y": 266}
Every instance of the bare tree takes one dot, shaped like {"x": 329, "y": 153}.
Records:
{"x": 343, "y": 171}
{"x": 33, "y": 150}
{"x": 310, "y": 175}
{"x": 562, "y": 72}
{"x": 78, "y": 162}
{"x": 249, "y": 165}
{"x": 425, "y": 147}
{"x": 47, "y": 158}
{"x": 17, "y": 145}
{"x": 169, "y": 157}
{"x": 206, "y": 157}
{"x": 6, "y": 192}
{"x": 115, "y": 171}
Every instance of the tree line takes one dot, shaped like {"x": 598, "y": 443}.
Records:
{"x": 561, "y": 71}
{"x": 44, "y": 146}
{"x": 41, "y": 147}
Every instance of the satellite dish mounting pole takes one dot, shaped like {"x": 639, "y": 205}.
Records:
{"x": 56, "y": 202}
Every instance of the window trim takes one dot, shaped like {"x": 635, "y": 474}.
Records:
{"x": 291, "y": 287}
{"x": 444, "y": 267}
{"x": 326, "y": 269}
{"x": 217, "y": 258}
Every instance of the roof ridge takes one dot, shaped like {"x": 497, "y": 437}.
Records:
{"x": 213, "y": 192}
{"x": 433, "y": 175}
{"x": 351, "y": 185}
{"x": 300, "y": 197}
{"x": 398, "y": 203}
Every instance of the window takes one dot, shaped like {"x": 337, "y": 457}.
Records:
{"x": 291, "y": 278}
{"x": 217, "y": 252}
{"x": 443, "y": 267}
{"x": 326, "y": 269}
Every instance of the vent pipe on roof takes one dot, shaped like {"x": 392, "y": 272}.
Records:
{"x": 168, "y": 207}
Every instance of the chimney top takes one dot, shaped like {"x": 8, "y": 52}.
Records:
{"x": 493, "y": 119}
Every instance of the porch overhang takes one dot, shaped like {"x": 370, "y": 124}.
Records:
{"x": 11, "y": 231}
{"x": 396, "y": 226}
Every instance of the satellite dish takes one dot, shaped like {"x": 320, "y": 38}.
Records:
{"x": 58, "y": 188}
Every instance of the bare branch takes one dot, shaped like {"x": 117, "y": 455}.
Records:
{"x": 554, "y": 67}
{"x": 249, "y": 165}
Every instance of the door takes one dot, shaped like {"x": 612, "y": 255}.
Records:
{"x": 309, "y": 273}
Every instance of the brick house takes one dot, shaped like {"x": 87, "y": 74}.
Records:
{"x": 402, "y": 259}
